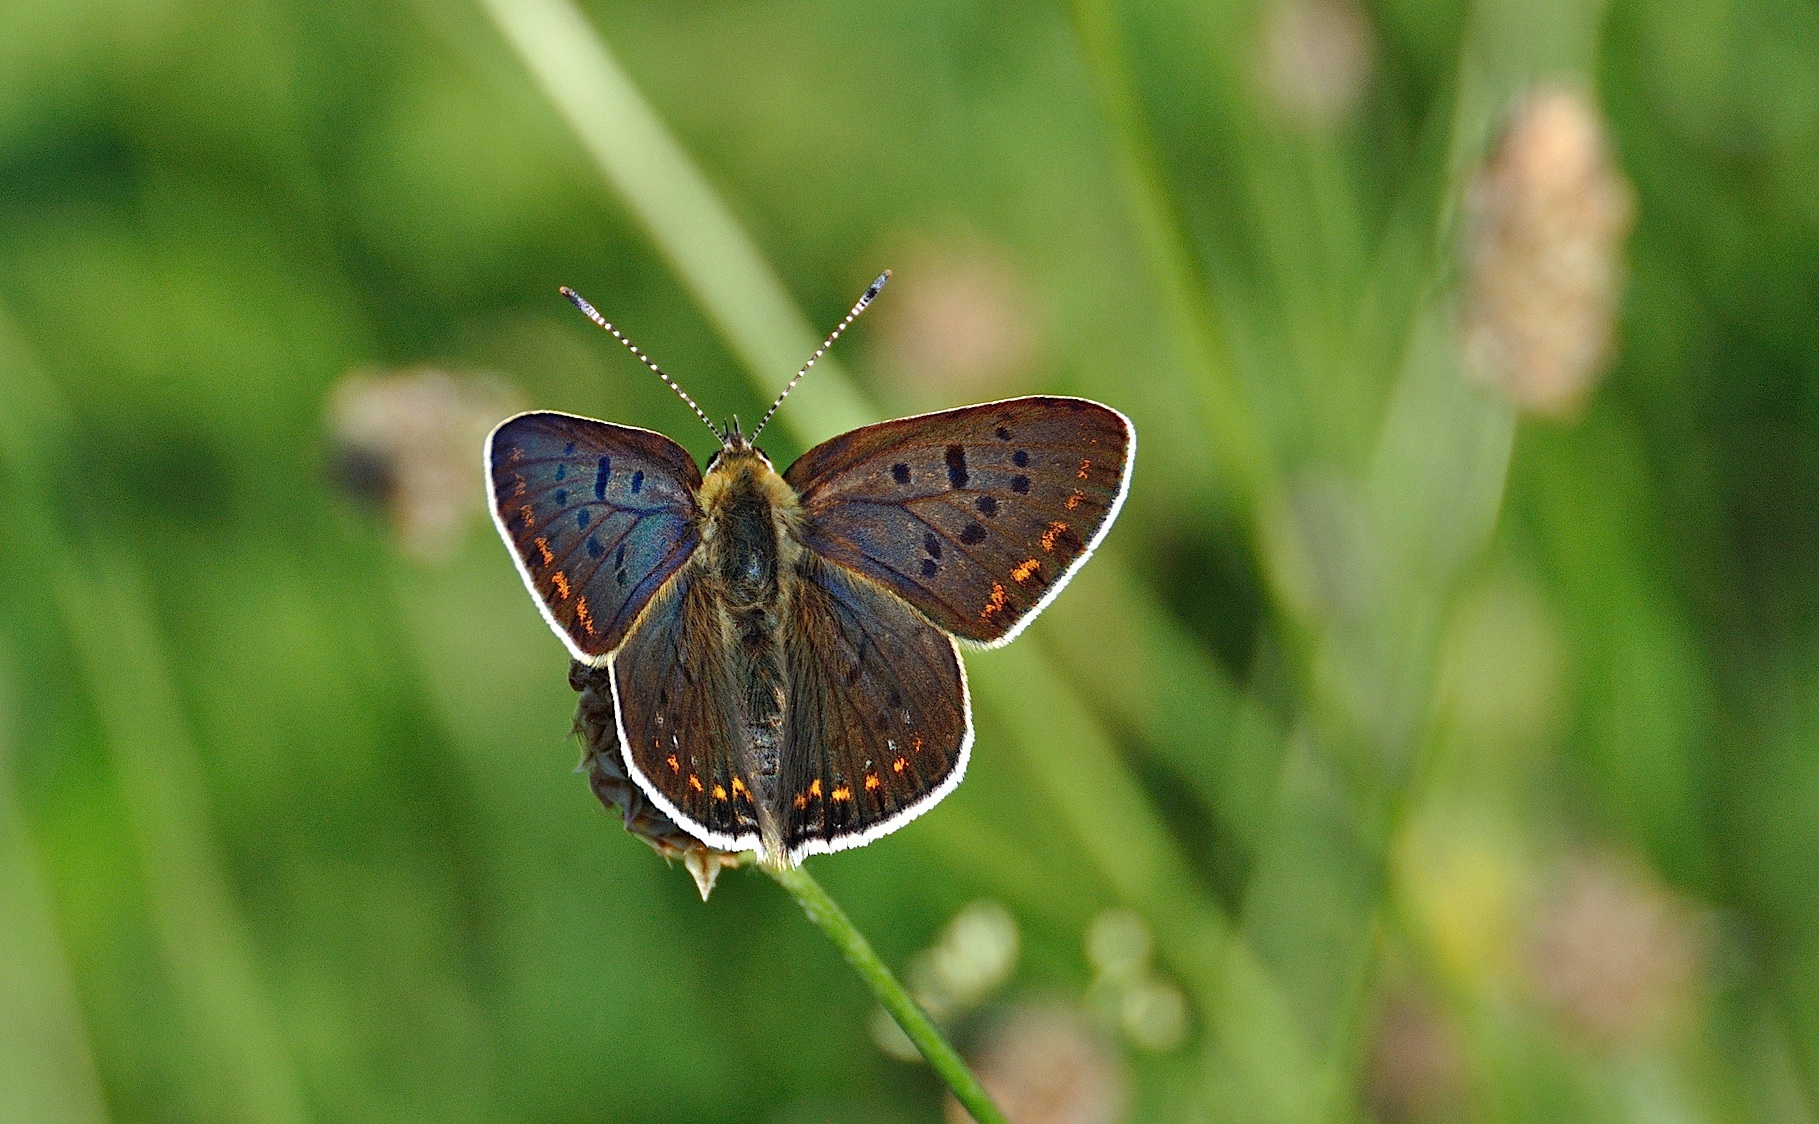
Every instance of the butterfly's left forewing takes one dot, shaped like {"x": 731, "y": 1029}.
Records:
{"x": 598, "y": 516}
{"x": 976, "y": 516}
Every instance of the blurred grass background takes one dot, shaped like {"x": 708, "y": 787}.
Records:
{"x": 1417, "y": 748}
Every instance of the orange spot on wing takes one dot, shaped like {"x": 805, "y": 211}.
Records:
{"x": 1055, "y": 531}
{"x": 997, "y": 603}
{"x": 515, "y": 456}
{"x": 675, "y": 766}
{"x": 719, "y": 792}
{"x": 694, "y": 782}
{"x": 561, "y": 580}
{"x": 586, "y": 618}
{"x": 543, "y": 549}
{"x": 1073, "y": 500}
{"x": 814, "y": 788}
{"x": 800, "y": 802}
{"x": 739, "y": 788}
{"x": 916, "y": 741}
{"x": 842, "y": 793}
{"x": 525, "y": 513}
{"x": 518, "y": 486}
{"x": 1084, "y": 466}
{"x": 898, "y": 764}
{"x": 1024, "y": 569}
{"x": 872, "y": 782}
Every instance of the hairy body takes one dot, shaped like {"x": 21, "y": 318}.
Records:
{"x": 747, "y": 568}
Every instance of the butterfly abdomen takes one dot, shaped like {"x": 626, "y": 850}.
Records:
{"x": 748, "y": 556}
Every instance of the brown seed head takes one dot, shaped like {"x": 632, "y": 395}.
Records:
{"x": 1545, "y": 219}
{"x": 406, "y": 441}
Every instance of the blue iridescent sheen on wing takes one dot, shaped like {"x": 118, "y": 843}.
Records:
{"x": 976, "y": 516}
{"x": 598, "y": 517}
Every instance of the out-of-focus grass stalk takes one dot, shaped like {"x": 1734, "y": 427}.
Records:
{"x": 156, "y": 770}
{"x": 683, "y": 216}
{"x": 47, "y": 1071}
{"x": 1432, "y": 499}
{"x": 1081, "y": 771}
{"x": 827, "y": 916}
{"x": 1236, "y": 438}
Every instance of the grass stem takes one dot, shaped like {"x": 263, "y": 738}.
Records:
{"x": 942, "y": 1057}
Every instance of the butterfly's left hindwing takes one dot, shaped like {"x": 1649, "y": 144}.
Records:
{"x": 598, "y": 516}
{"x": 878, "y": 727}
{"x": 678, "y": 717}
{"x": 976, "y": 516}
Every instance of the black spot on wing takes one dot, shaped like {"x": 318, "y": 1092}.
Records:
{"x": 1021, "y": 458}
{"x": 602, "y": 473}
{"x": 956, "y": 466}
{"x": 900, "y": 473}
{"x": 1002, "y": 433}
{"x": 973, "y": 534}
{"x": 987, "y": 505}
{"x": 637, "y": 481}
{"x": 1020, "y": 485}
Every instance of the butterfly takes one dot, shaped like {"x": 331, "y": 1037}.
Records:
{"x": 783, "y": 648}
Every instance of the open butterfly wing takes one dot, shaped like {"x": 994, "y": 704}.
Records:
{"x": 878, "y": 727}
{"x": 976, "y": 516}
{"x": 677, "y": 717}
{"x": 598, "y": 516}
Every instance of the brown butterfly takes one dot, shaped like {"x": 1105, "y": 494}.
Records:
{"x": 782, "y": 649}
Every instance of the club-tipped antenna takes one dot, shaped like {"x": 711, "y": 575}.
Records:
{"x": 587, "y": 309}
{"x": 864, "y": 299}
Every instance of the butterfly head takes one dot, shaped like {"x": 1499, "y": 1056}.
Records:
{"x": 736, "y": 449}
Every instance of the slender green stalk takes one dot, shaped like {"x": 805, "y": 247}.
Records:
{"x": 942, "y": 1057}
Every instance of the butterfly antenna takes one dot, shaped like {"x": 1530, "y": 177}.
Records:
{"x": 864, "y": 299}
{"x": 587, "y": 309}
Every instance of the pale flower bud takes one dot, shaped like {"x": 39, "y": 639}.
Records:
{"x": 1545, "y": 220}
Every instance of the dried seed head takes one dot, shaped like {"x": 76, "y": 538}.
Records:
{"x": 1545, "y": 219}
{"x": 404, "y": 442}
{"x": 600, "y": 760}
{"x": 1316, "y": 59}
{"x": 1615, "y": 954}
{"x": 1417, "y": 1063}
{"x": 1045, "y": 1065}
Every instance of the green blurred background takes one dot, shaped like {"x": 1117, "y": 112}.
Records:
{"x": 1412, "y": 750}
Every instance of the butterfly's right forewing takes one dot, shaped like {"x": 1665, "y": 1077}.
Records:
{"x": 598, "y": 516}
{"x": 976, "y": 516}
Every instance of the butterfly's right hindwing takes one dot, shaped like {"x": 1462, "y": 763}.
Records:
{"x": 598, "y": 516}
{"x": 877, "y": 729}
